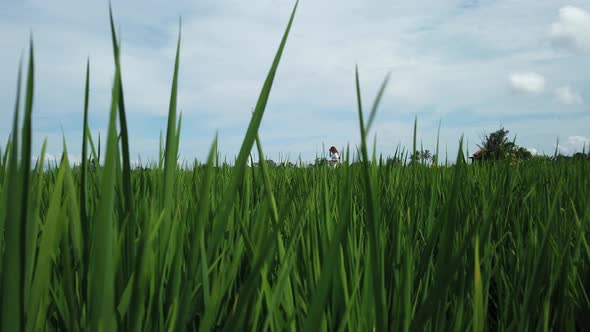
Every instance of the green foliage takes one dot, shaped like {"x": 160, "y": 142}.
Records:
{"x": 522, "y": 154}
{"x": 321, "y": 162}
{"x": 271, "y": 163}
{"x": 497, "y": 146}
{"x": 364, "y": 246}
{"x": 421, "y": 157}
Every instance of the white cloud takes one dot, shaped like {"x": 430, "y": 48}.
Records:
{"x": 571, "y": 30}
{"x": 568, "y": 96}
{"x": 53, "y": 159}
{"x": 533, "y": 151}
{"x": 527, "y": 82}
{"x": 578, "y": 140}
{"x": 575, "y": 144}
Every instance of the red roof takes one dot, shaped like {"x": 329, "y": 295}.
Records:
{"x": 478, "y": 152}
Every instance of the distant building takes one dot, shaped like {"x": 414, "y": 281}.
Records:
{"x": 478, "y": 155}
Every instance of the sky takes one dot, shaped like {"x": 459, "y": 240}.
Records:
{"x": 472, "y": 66}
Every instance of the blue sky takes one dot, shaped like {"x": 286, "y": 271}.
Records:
{"x": 472, "y": 65}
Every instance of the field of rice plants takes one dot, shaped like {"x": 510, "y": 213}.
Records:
{"x": 364, "y": 246}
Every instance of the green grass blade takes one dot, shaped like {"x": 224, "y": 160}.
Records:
{"x": 102, "y": 270}
{"x": 26, "y": 175}
{"x": 272, "y": 204}
{"x": 415, "y": 160}
{"x": 478, "y": 313}
{"x": 84, "y": 165}
{"x": 435, "y": 158}
{"x": 377, "y": 102}
{"x": 329, "y": 270}
{"x": 95, "y": 155}
{"x": 12, "y": 318}
{"x": 48, "y": 245}
{"x": 240, "y": 167}
{"x": 171, "y": 151}
{"x": 197, "y": 238}
{"x": 34, "y": 219}
{"x": 122, "y": 122}
{"x": 377, "y": 281}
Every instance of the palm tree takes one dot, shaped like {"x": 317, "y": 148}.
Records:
{"x": 426, "y": 155}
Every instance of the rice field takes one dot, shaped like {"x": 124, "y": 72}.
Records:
{"x": 365, "y": 246}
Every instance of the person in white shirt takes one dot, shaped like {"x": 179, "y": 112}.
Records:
{"x": 334, "y": 156}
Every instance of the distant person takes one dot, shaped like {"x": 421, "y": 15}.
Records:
{"x": 334, "y": 156}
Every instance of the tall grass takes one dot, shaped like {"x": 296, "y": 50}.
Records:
{"x": 362, "y": 247}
